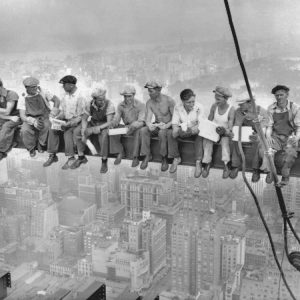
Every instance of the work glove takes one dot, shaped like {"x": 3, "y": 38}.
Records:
{"x": 220, "y": 131}
{"x": 38, "y": 124}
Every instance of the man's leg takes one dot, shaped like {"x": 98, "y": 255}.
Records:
{"x": 103, "y": 142}
{"x": 69, "y": 147}
{"x": 163, "y": 147}
{"x": 145, "y": 135}
{"x": 7, "y": 131}
{"x": 116, "y": 147}
{"x": 80, "y": 148}
{"x": 207, "y": 156}
{"x": 136, "y": 147}
{"x": 236, "y": 160}
{"x": 173, "y": 151}
{"x": 257, "y": 161}
{"x": 198, "y": 146}
{"x": 290, "y": 156}
{"x": 225, "y": 144}
{"x": 43, "y": 133}
{"x": 29, "y": 137}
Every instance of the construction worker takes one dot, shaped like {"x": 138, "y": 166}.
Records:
{"x": 185, "y": 123}
{"x": 161, "y": 106}
{"x": 96, "y": 119}
{"x": 71, "y": 111}
{"x": 35, "y": 110}
{"x": 245, "y": 116}
{"x": 132, "y": 112}
{"x": 283, "y": 130}
{"x": 222, "y": 114}
{"x": 9, "y": 119}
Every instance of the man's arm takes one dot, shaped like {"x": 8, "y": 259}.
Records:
{"x": 212, "y": 112}
{"x": 141, "y": 117}
{"x": 117, "y": 117}
{"x": 175, "y": 123}
{"x": 171, "y": 103}
{"x": 231, "y": 118}
{"x": 149, "y": 114}
{"x": 5, "y": 112}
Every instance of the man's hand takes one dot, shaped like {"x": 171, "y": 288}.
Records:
{"x": 152, "y": 127}
{"x": 38, "y": 124}
{"x": 15, "y": 119}
{"x": 194, "y": 130}
{"x": 220, "y": 130}
{"x": 293, "y": 141}
{"x": 163, "y": 126}
{"x": 66, "y": 126}
{"x": 270, "y": 140}
{"x": 253, "y": 138}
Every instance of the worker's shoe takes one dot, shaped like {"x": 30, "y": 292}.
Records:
{"x": 145, "y": 162}
{"x": 226, "y": 171}
{"x": 205, "y": 171}
{"x": 118, "y": 159}
{"x": 164, "y": 164}
{"x": 234, "y": 173}
{"x": 255, "y": 176}
{"x": 32, "y": 153}
{"x": 284, "y": 180}
{"x": 104, "y": 167}
{"x": 176, "y": 162}
{"x": 2, "y": 155}
{"x": 198, "y": 169}
{"x": 68, "y": 163}
{"x": 52, "y": 159}
{"x": 40, "y": 148}
{"x": 80, "y": 160}
{"x": 269, "y": 178}
{"x": 135, "y": 162}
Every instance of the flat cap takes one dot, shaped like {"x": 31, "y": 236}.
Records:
{"x": 279, "y": 87}
{"x": 243, "y": 98}
{"x": 222, "y": 91}
{"x": 128, "y": 90}
{"x": 68, "y": 79}
{"x": 31, "y": 81}
{"x": 98, "y": 92}
{"x": 152, "y": 84}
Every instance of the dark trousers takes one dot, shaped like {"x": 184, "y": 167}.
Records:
{"x": 7, "y": 131}
{"x": 117, "y": 147}
{"x": 173, "y": 144}
{"x": 30, "y": 135}
{"x": 162, "y": 134}
{"x": 69, "y": 138}
{"x": 236, "y": 158}
{"x": 102, "y": 139}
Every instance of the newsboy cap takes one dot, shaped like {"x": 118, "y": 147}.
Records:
{"x": 98, "y": 92}
{"x": 152, "y": 84}
{"x": 279, "y": 87}
{"x": 31, "y": 81}
{"x": 222, "y": 91}
{"x": 68, "y": 79}
{"x": 243, "y": 98}
{"x": 128, "y": 90}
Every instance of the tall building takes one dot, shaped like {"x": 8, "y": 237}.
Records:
{"x": 233, "y": 254}
{"x": 73, "y": 241}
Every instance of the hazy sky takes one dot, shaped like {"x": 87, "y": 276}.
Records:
{"x": 30, "y": 25}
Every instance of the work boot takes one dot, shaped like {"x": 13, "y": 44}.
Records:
{"x": 164, "y": 164}
{"x": 176, "y": 162}
{"x": 255, "y": 175}
{"x": 104, "y": 167}
{"x": 118, "y": 159}
{"x": 135, "y": 162}
{"x": 68, "y": 163}
{"x": 234, "y": 173}
{"x": 32, "y": 153}
{"x": 52, "y": 158}
{"x": 198, "y": 169}
{"x": 144, "y": 164}
{"x": 226, "y": 171}
{"x": 205, "y": 171}
{"x": 2, "y": 155}
{"x": 284, "y": 180}
{"x": 80, "y": 160}
{"x": 269, "y": 178}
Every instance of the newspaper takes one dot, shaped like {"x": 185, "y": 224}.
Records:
{"x": 56, "y": 124}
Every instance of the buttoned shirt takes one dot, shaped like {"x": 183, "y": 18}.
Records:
{"x": 130, "y": 113}
{"x": 72, "y": 105}
{"x": 47, "y": 96}
{"x": 180, "y": 115}
{"x": 294, "y": 114}
{"x": 110, "y": 109}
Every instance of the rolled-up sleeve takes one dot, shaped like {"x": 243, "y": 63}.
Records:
{"x": 264, "y": 122}
{"x": 21, "y": 104}
{"x": 110, "y": 108}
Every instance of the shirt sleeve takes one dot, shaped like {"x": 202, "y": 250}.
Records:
{"x": 265, "y": 118}
{"x": 48, "y": 95}
{"x": 21, "y": 104}
{"x": 81, "y": 106}
{"x": 142, "y": 113}
{"x": 110, "y": 108}
{"x": 270, "y": 111}
{"x": 87, "y": 109}
{"x": 296, "y": 114}
{"x": 176, "y": 116}
{"x": 12, "y": 96}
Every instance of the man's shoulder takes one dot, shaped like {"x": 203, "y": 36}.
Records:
{"x": 167, "y": 98}
{"x": 12, "y": 96}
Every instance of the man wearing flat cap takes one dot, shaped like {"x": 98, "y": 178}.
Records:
{"x": 245, "y": 116}
{"x": 161, "y": 106}
{"x": 97, "y": 117}
{"x": 35, "y": 110}
{"x": 71, "y": 111}
{"x": 283, "y": 130}
{"x": 132, "y": 112}
{"x": 222, "y": 114}
{"x": 9, "y": 118}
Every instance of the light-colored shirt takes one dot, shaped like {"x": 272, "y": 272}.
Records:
{"x": 72, "y": 105}
{"x": 47, "y": 96}
{"x": 180, "y": 115}
{"x": 294, "y": 114}
{"x": 131, "y": 113}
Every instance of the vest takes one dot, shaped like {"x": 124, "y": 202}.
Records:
{"x": 221, "y": 120}
{"x": 3, "y": 104}
{"x": 35, "y": 106}
{"x": 98, "y": 116}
